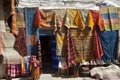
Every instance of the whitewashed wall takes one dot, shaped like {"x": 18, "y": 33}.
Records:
{"x": 58, "y": 3}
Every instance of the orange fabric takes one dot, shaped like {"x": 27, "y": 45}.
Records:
{"x": 100, "y": 22}
{"x": 32, "y": 40}
{"x": 78, "y": 20}
{"x": 43, "y": 18}
{"x": 80, "y": 23}
{"x": 97, "y": 49}
{"x": 90, "y": 22}
{"x": 97, "y": 19}
{"x": 13, "y": 26}
{"x": 37, "y": 18}
{"x": 70, "y": 17}
{"x": 22, "y": 68}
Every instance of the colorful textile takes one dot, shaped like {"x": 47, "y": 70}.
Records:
{"x": 20, "y": 21}
{"x": 70, "y": 17}
{"x": 59, "y": 19}
{"x": 83, "y": 35}
{"x": 31, "y": 33}
{"x": 8, "y": 69}
{"x": 61, "y": 45}
{"x": 32, "y": 40}
{"x": 32, "y": 59}
{"x": 71, "y": 53}
{"x": 90, "y": 22}
{"x": 12, "y": 16}
{"x": 35, "y": 68}
{"x": 79, "y": 20}
{"x": 13, "y": 70}
{"x": 74, "y": 19}
{"x": 18, "y": 70}
{"x": 23, "y": 69}
{"x": 13, "y": 22}
{"x": 97, "y": 19}
{"x": 20, "y": 44}
{"x": 39, "y": 54}
{"x": 81, "y": 23}
{"x": 44, "y": 18}
{"x": 111, "y": 17}
{"x": 109, "y": 44}
{"x": 37, "y": 18}
{"x": 83, "y": 45}
{"x": 97, "y": 49}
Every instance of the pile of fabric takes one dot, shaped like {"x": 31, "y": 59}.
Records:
{"x": 112, "y": 72}
{"x": 11, "y": 58}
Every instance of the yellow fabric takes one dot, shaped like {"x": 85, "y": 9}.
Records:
{"x": 70, "y": 16}
{"x": 61, "y": 43}
{"x": 61, "y": 33}
{"x": 83, "y": 45}
{"x": 23, "y": 68}
{"x": 74, "y": 19}
{"x": 90, "y": 22}
{"x": 60, "y": 38}
{"x": 79, "y": 21}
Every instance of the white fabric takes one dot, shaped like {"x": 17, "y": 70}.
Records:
{"x": 11, "y": 56}
{"x": 112, "y": 3}
{"x": 8, "y": 39}
{"x": 59, "y": 4}
{"x": 111, "y": 72}
{"x": 26, "y": 3}
{"x": 62, "y": 63}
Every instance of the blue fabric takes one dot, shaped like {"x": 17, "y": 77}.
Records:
{"x": 30, "y": 30}
{"x": 55, "y": 58}
{"x": 111, "y": 15}
{"x": 105, "y": 16}
{"x": 109, "y": 44}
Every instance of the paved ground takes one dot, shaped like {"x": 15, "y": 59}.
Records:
{"x": 49, "y": 77}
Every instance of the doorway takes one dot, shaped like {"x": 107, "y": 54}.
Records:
{"x": 46, "y": 47}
